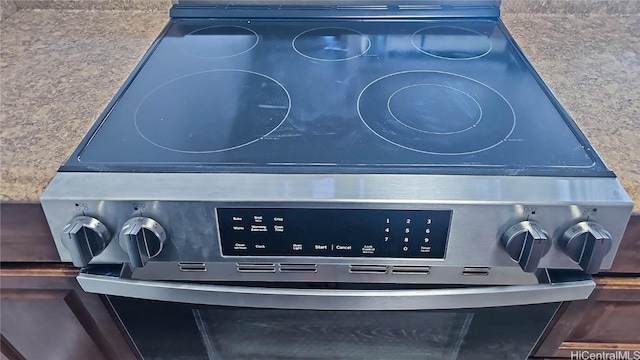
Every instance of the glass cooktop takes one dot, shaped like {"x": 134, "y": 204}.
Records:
{"x": 441, "y": 96}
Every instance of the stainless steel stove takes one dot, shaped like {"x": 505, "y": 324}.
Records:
{"x": 259, "y": 152}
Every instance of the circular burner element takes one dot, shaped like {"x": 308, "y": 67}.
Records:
{"x": 419, "y": 107}
{"x": 451, "y": 42}
{"x": 331, "y": 44}
{"x": 212, "y": 111}
{"x": 435, "y": 112}
{"x": 221, "y": 41}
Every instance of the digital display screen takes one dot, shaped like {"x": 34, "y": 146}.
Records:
{"x": 334, "y": 232}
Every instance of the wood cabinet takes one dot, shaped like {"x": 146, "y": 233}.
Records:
{"x": 46, "y": 315}
{"x": 609, "y": 321}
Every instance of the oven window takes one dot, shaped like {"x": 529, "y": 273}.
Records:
{"x": 281, "y": 334}
{"x": 162, "y": 330}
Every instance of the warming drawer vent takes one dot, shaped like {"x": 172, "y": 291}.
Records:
{"x": 368, "y": 269}
{"x": 192, "y": 266}
{"x": 256, "y": 267}
{"x": 311, "y": 268}
{"x": 411, "y": 270}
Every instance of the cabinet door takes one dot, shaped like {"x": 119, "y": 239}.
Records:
{"x": 46, "y": 315}
{"x": 609, "y": 322}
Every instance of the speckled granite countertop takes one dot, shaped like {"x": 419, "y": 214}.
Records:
{"x": 59, "y": 69}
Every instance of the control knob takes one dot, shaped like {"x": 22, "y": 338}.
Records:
{"x": 526, "y": 243}
{"x": 142, "y": 238}
{"x": 587, "y": 243}
{"x": 85, "y": 238}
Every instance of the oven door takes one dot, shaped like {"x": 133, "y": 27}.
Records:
{"x": 168, "y": 320}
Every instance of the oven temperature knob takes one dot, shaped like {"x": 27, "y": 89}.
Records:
{"x": 587, "y": 243}
{"x": 526, "y": 243}
{"x": 85, "y": 238}
{"x": 142, "y": 238}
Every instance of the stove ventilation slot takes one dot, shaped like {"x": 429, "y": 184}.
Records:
{"x": 469, "y": 7}
{"x": 256, "y": 267}
{"x": 475, "y": 271}
{"x": 246, "y": 7}
{"x": 192, "y": 266}
{"x": 305, "y": 7}
{"x": 362, "y": 7}
{"x": 419, "y": 7}
{"x": 368, "y": 269}
{"x": 310, "y": 268}
{"x": 411, "y": 270}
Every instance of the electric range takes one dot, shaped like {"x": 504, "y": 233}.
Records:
{"x": 402, "y": 144}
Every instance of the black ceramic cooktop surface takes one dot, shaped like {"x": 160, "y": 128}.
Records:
{"x": 447, "y": 96}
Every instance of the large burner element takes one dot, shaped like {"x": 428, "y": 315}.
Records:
{"x": 233, "y": 108}
{"x": 436, "y": 112}
{"x": 451, "y": 42}
{"x": 331, "y": 44}
{"x": 219, "y": 42}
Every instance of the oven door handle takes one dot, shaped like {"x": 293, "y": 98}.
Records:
{"x": 333, "y": 299}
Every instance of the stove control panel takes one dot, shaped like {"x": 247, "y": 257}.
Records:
{"x": 333, "y": 232}
{"x": 587, "y": 243}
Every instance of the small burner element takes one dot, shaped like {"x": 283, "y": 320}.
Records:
{"x": 331, "y": 44}
{"x": 436, "y": 112}
{"x": 451, "y": 42}
{"x": 219, "y": 42}
{"x": 233, "y": 108}
{"x": 420, "y": 107}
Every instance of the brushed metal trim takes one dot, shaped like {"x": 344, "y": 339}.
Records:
{"x": 483, "y": 208}
{"x": 325, "y": 299}
{"x": 331, "y": 188}
{"x": 338, "y": 273}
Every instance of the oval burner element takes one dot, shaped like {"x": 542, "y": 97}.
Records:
{"x": 331, "y": 44}
{"x": 221, "y": 41}
{"x": 212, "y": 111}
{"x": 436, "y": 112}
{"x": 451, "y": 42}
{"x": 419, "y": 107}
